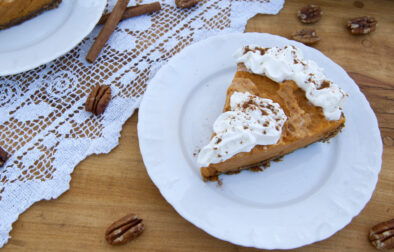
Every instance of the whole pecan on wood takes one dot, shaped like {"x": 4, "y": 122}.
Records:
{"x": 306, "y": 36}
{"x": 382, "y": 235}
{"x": 185, "y": 3}
{"x": 98, "y": 99}
{"x": 310, "y": 14}
{"x": 124, "y": 230}
{"x": 3, "y": 156}
{"x": 362, "y": 25}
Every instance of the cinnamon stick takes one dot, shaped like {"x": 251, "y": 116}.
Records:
{"x": 134, "y": 11}
{"x": 107, "y": 30}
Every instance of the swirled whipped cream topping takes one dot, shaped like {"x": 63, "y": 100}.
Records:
{"x": 251, "y": 121}
{"x": 288, "y": 63}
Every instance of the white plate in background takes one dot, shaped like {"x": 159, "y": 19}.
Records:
{"x": 47, "y": 36}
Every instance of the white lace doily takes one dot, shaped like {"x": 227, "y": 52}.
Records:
{"x": 43, "y": 123}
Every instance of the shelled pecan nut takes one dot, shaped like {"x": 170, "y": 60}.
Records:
{"x": 124, "y": 230}
{"x": 98, "y": 99}
{"x": 382, "y": 235}
{"x": 362, "y": 25}
{"x": 310, "y": 14}
{"x": 185, "y": 3}
{"x": 3, "y": 156}
{"x": 306, "y": 36}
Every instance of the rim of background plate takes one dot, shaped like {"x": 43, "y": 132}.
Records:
{"x": 84, "y": 29}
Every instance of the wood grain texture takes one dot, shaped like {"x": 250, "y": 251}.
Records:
{"x": 106, "y": 187}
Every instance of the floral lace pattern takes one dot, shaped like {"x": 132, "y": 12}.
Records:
{"x": 43, "y": 123}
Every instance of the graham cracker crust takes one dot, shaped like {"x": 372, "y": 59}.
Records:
{"x": 266, "y": 163}
{"x": 54, "y": 4}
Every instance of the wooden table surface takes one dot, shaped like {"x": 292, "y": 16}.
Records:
{"x": 106, "y": 187}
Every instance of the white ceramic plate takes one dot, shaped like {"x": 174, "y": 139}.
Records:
{"x": 307, "y": 197}
{"x": 47, "y": 36}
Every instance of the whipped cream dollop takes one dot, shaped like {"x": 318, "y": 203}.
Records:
{"x": 287, "y": 63}
{"x": 251, "y": 121}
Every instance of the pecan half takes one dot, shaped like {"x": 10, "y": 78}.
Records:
{"x": 124, "y": 230}
{"x": 382, "y": 235}
{"x": 185, "y": 3}
{"x": 310, "y": 14}
{"x": 3, "y": 156}
{"x": 306, "y": 36}
{"x": 98, "y": 99}
{"x": 362, "y": 25}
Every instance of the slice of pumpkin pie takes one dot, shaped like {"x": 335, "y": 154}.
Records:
{"x": 277, "y": 103}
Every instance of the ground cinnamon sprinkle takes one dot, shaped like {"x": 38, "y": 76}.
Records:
{"x": 324, "y": 84}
